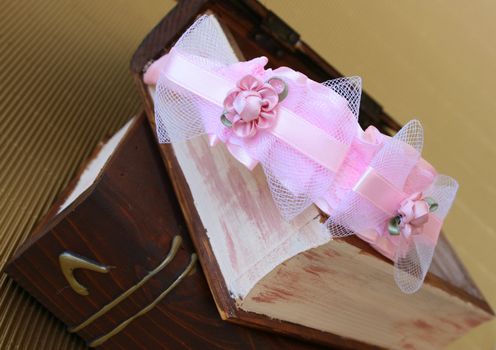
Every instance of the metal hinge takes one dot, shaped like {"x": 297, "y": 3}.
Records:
{"x": 274, "y": 35}
{"x": 280, "y": 29}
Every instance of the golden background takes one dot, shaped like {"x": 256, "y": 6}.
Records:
{"x": 64, "y": 84}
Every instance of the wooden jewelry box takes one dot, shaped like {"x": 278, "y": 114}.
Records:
{"x": 112, "y": 259}
{"x": 286, "y": 277}
{"x": 116, "y": 258}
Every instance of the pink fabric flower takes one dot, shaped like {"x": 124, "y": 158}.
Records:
{"x": 414, "y": 213}
{"x": 251, "y": 106}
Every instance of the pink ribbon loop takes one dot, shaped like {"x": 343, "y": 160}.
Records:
{"x": 391, "y": 206}
{"x": 299, "y": 131}
{"x": 308, "y": 139}
{"x": 416, "y": 218}
{"x": 379, "y": 191}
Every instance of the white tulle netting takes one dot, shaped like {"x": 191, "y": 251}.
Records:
{"x": 295, "y": 180}
{"x": 178, "y": 112}
{"x": 356, "y": 214}
{"x": 394, "y": 162}
{"x": 413, "y": 259}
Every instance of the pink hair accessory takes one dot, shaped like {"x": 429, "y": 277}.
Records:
{"x": 252, "y": 105}
{"x": 263, "y": 116}
{"x": 307, "y": 139}
{"x": 397, "y": 205}
{"x": 412, "y": 215}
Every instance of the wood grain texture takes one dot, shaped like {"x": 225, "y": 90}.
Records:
{"x": 245, "y": 22}
{"x": 243, "y": 30}
{"x": 227, "y": 306}
{"x": 340, "y": 288}
{"x": 248, "y": 239}
{"x": 64, "y": 86}
{"x": 247, "y": 234}
{"x": 127, "y": 220}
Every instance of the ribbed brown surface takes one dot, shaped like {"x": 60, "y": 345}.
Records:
{"x": 64, "y": 85}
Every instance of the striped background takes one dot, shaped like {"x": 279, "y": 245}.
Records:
{"x": 64, "y": 84}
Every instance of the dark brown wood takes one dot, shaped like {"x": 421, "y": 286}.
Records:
{"x": 225, "y": 304}
{"x": 127, "y": 219}
{"x": 245, "y": 20}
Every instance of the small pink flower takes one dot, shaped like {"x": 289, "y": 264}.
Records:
{"x": 251, "y": 106}
{"x": 414, "y": 212}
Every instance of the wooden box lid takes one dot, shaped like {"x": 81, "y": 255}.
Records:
{"x": 112, "y": 258}
{"x": 355, "y": 303}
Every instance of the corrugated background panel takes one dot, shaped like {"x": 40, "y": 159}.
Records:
{"x": 64, "y": 85}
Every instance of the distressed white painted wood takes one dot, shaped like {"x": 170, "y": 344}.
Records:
{"x": 291, "y": 271}
{"x": 247, "y": 234}
{"x": 339, "y": 288}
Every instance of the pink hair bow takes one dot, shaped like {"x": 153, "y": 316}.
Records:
{"x": 307, "y": 138}
{"x": 298, "y": 130}
{"x": 398, "y": 205}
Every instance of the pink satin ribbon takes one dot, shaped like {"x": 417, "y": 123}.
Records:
{"x": 387, "y": 197}
{"x": 237, "y": 152}
{"x": 295, "y": 131}
{"x": 380, "y": 192}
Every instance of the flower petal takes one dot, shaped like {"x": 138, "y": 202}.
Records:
{"x": 251, "y": 110}
{"x": 249, "y": 82}
{"x": 269, "y": 97}
{"x": 406, "y": 230}
{"x": 243, "y": 129}
{"x": 233, "y": 117}
{"x": 266, "y": 119}
{"x": 420, "y": 208}
{"x": 229, "y": 100}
